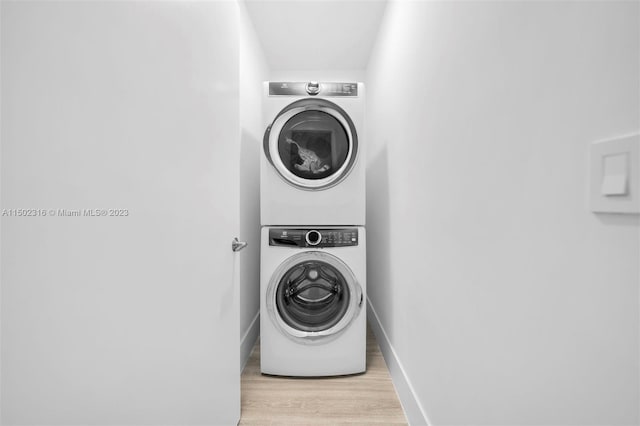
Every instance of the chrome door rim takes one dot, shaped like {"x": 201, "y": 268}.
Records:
{"x": 274, "y": 135}
{"x": 355, "y": 301}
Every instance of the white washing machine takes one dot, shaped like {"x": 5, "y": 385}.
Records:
{"x": 312, "y": 168}
{"x": 313, "y": 295}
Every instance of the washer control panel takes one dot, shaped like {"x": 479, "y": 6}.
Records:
{"x": 296, "y": 237}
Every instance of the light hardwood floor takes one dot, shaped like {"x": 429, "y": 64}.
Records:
{"x": 363, "y": 399}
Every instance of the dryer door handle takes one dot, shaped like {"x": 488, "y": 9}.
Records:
{"x": 237, "y": 245}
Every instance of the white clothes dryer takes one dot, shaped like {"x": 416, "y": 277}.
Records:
{"x": 312, "y": 307}
{"x": 312, "y": 168}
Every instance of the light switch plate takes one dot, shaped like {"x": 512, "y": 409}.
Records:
{"x": 614, "y": 175}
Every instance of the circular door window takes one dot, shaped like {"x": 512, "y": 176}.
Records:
{"x": 312, "y": 144}
{"x": 313, "y": 294}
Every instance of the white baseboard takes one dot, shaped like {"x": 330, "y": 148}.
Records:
{"x": 248, "y": 340}
{"x": 413, "y": 410}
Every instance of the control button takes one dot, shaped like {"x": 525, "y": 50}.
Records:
{"x": 313, "y": 87}
{"x": 313, "y": 238}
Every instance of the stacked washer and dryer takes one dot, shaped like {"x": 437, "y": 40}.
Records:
{"x": 312, "y": 211}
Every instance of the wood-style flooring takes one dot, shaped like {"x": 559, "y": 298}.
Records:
{"x": 363, "y": 399}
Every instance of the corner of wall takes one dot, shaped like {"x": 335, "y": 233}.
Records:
{"x": 413, "y": 410}
{"x": 248, "y": 341}
{"x": 253, "y": 71}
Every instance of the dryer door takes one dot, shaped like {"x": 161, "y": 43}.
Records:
{"x": 312, "y": 144}
{"x": 313, "y": 295}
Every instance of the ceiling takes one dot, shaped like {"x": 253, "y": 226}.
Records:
{"x": 316, "y": 34}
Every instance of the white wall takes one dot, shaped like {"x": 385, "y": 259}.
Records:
{"x": 316, "y": 34}
{"x": 120, "y": 320}
{"x": 347, "y": 75}
{"x": 504, "y": 298}
{"x": 253, "y": 71}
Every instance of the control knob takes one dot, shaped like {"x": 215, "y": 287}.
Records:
{"x": 313, "y": 87}
{"x": 313, "y": 238}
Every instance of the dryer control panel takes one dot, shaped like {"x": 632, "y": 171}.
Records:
{"x": 296, "y": 237}
{"x": 312, "y": 88}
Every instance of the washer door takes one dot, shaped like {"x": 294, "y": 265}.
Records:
{"x": 312, "y": 144}
{"x": 313, "y": 295}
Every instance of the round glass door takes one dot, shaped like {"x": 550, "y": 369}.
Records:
{"x": 312, "y": 144}
{"x": 313, "y": 294}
